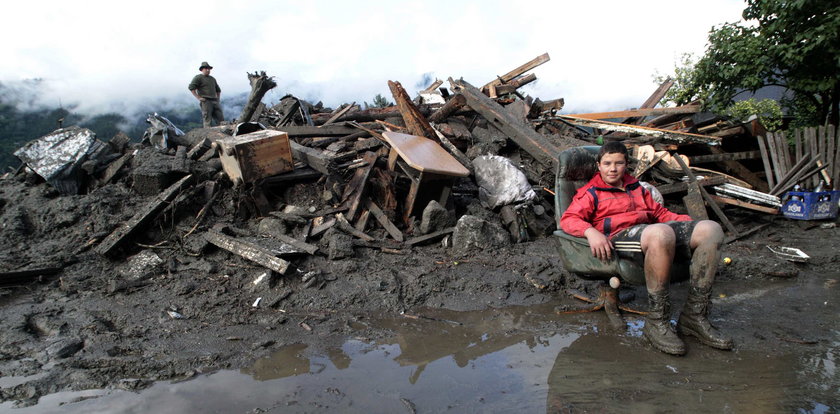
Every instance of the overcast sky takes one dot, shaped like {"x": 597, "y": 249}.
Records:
{"x": 107, "y": 55}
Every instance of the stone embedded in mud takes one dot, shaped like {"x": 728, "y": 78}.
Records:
{"x": 270, "y": 226}
{"x": 341, "y": 245}
{"x": 472, "y": 232}
{"x": 435, "y": 218}
{"x": 142, "y": 265}
{"x": 64, "y": 347}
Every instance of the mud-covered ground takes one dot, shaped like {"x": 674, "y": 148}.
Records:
{"x": 99, "y": 324}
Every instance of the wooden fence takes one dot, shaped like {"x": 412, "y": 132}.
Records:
{"x": 803, "y": 156}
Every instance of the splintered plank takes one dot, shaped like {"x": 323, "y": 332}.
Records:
{"x": 115, "y": 167}
{"x": 686, "y": 109}
{"x": 15, "y": 277}
{"x": 383, "y": 220}
{"x": 429, "y": 237}
{"x": 765, "y": 159}
{"x": 314, "y": 131}
{"x": 248, "y": 251}
{"x": 744, "y": 204}
{"x": 143, "y": 216}
{"x": 312, "y": 157}
{"x": 666, "y": 135}
{"x": 544, "y": 151}
{"x": 415, "y": 122}
{"x": 682, "y": 186}
{"x": 507, "y": 77}
{"x": 712, "y": 203}
{"x": 355, "y": 189}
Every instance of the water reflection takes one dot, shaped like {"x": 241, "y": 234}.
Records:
{"x": 513, "y": 359}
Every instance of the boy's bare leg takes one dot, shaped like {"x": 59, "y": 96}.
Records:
{"x": 658, "y": 242}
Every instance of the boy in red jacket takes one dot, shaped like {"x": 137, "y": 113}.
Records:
{"x": 618, "y": 216}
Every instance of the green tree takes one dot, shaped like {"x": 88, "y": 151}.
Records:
{"x": 379, "y": 101}
{"x": 790, "y": 43}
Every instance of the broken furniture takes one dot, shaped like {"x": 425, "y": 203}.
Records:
{"x": 575, "y": 167}
{"x": 250, "y": 157}
{"x": 427, "y": 165}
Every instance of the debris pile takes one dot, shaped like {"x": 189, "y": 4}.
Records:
{"x": 470, "y": 167}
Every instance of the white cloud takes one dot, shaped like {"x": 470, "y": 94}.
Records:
{"x": 603, "y": 52}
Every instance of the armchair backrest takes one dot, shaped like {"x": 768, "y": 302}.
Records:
{"x": 575, "y": 167}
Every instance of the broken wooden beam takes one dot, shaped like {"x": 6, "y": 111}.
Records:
{"x": 303, "y": 131}
{"x": 110, "y": 243}
{"x": 537, "y": 145}
{"x": 450, "y": 107}
{"x": 415, "y": 122}
{"x": 297, "y": 244}
{"x": 724, "y": 156}
{"x": 686, "y": 109}
{"x": 348, "y": 228}
{"x": 248, "y": 251}
{"x": 313, "y": 158}
{"x": 115, "y": 167}
{"x": 653, "y": 99}
{"x": 515, "y": 84}
{"x": 260, "y": 84}
{"x": 384, "y": 221}
{"x": 355, "y": 189}
{"x": 683, "y": 186}
{"x": 429, "y": 237}
{"x": 21, "y": 276}
{"x": 507, "y": 77}
{"x": 340, "y": 113}
{"x": 744, "y": 204}
{"x": 712, "y": 203}
{"x": 321, "y": 228}
{"x": 666, "y": 135}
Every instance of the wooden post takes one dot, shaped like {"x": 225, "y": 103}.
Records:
{"x": 260, "y": 84}
{"x": 765, "y": 159}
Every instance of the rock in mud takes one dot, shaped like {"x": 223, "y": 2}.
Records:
{"x": 141, "y": 266}
{"x": 341, "y": 245}
{"x": 64, "y": 347}
{"x": 474, "y": 233}
{"x": 270, "y": 226}
{"x": 435, "y": 218}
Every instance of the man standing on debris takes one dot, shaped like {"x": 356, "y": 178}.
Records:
{"x": 205, "y": 88}
{"x": 618, "y": 216}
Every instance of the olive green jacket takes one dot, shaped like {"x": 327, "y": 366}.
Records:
{"x": 206, "y": 85}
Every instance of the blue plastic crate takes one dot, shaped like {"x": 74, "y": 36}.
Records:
{"x": 800, "y": 205}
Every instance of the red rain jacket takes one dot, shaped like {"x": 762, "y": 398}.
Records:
{"x": 611, "y": 209}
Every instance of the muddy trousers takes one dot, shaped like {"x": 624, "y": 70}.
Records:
{"x": 211, "y": 110}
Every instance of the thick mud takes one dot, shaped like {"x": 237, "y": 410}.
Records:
{"x": 209, "y": 317}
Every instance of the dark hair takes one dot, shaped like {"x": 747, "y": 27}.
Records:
{"x": 613, "y": 147}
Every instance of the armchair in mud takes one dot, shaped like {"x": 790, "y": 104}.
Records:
{"x": 610, "y": 226}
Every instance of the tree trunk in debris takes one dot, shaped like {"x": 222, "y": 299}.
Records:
{"x": 260, "y": 84}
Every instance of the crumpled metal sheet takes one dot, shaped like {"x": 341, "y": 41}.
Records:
{"x": 58, "y": 156}
{"x": 160, "y": 131}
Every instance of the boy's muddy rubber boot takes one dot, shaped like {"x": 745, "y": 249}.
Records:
{"x": 658, "y": 328}
{"x": 693, "y": 320}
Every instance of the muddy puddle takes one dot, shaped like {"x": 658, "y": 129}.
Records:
{"x": 516, "y": 359}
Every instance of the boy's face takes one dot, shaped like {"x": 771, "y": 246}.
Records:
{"x": 612, "y": 167}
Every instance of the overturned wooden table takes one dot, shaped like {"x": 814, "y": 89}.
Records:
{"x": 426, "y": 164}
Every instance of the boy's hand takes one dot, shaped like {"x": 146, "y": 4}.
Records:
{"x": 598, "y": 244}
